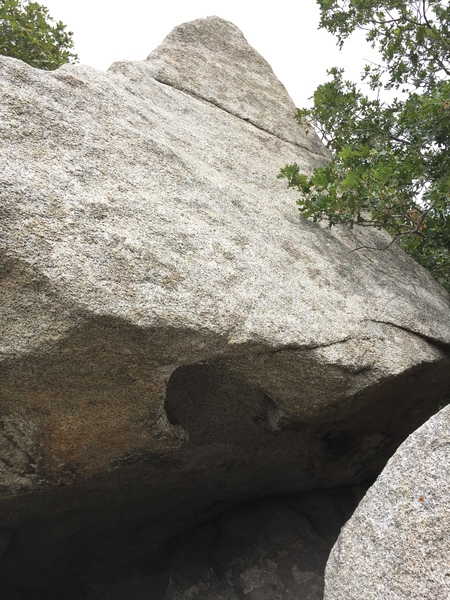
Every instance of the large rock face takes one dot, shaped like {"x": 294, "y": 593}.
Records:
{"x": 396, "y": 545}
{"x": 169, "y": 323}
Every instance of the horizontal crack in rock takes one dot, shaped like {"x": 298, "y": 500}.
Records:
{"x": 444, "y": 347}
{"x": 322, "y": 156}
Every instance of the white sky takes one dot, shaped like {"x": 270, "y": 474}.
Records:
{"x": 284, "y": 32}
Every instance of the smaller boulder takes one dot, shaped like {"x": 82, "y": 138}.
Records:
{"x": 396, "y": 545}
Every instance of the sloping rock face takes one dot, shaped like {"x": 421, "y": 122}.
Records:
{"x": 396, "y": 545}
{"x": 174, "y": 338}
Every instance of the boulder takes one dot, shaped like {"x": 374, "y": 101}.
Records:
{"x": 174, "y": 338}
{"x": 396, "y": 545}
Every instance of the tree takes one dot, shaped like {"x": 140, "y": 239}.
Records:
{"x": 29, "y": 33}
{"x": 391, "y": 165}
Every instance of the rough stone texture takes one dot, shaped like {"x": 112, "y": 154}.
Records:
{"x": 396, "y": 545}
{"x": 169, "y": 323}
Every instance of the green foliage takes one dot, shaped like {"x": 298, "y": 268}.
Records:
{"x": 391, "y": 165}
{"x": 29, "y": 33}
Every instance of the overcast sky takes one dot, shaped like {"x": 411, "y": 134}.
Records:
{"x": 285, "y": 32}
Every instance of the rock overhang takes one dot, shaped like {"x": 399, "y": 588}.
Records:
{"x": 165, "y": 307}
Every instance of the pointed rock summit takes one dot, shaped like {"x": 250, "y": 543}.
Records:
{"x": 211, "y": 59}
{"x": 175, "y": 339}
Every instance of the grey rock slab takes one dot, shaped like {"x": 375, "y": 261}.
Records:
{"x": 396, "y": 546}
{"x": 169, "y": 322}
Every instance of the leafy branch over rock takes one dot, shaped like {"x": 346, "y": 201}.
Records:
{"x": 391, "y": 165}
{"x": 29, "y": 33}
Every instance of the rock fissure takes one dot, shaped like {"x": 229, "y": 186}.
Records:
{"x": 440, "y": 345}
{"x": 238, "y": 116}
{"x": 306, "y": 347}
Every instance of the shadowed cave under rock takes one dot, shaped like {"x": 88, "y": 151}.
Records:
{"x": 156, "y": 527}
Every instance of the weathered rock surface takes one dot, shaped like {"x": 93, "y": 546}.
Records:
{"x": 396, "y": 545}
{"x": 174, "y": 338}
